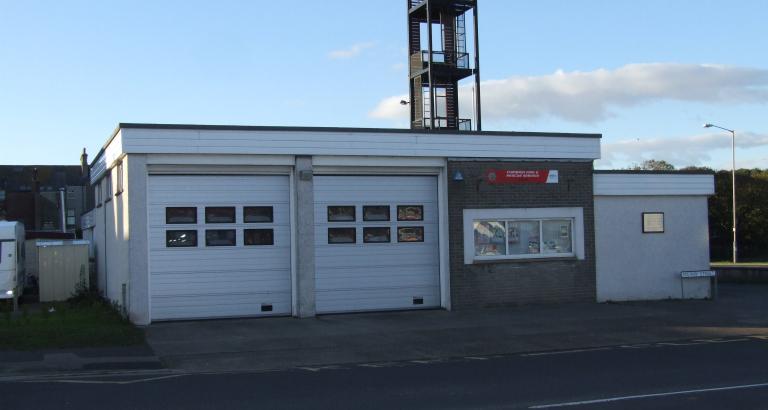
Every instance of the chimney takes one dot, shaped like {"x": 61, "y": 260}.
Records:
{"x": 84, "y": 170}
{"x": 36, "y": 198}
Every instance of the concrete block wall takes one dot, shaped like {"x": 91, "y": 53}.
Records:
{"x": 509, "y": 283}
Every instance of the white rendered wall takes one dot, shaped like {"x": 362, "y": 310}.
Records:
{"x": 137, "y": 277}
{"x": 117, "y": 242}
{"x": 99, "y": 245}
{"x": 632, "y": 265}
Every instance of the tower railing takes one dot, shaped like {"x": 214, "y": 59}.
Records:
{"x": 439, "y": 57}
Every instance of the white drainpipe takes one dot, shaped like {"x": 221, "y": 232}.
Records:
{"x": 63, "y": 206}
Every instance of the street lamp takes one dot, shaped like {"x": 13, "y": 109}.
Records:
{"x": 733, "y": 179}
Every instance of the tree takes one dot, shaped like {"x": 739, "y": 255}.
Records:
{"x": 653, "y": 165}
{"x": 752, "y": 215}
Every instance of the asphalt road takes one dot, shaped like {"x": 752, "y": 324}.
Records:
{"x": 706, "y": 374}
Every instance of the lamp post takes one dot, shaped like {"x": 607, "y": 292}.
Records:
{"x": 733, "y": 179}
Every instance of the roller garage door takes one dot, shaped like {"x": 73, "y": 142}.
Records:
{"x": 376, "y": 241}
{"x": 219, "y": 246}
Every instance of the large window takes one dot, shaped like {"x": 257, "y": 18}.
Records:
{"x": 521, "y": 238}
{"x": 523, "y": 233}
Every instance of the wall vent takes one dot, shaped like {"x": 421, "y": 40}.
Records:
{"x": 266, "y": 307}
{"x": 418, "y": 300}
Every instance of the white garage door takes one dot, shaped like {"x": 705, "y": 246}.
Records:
{"x": 219, "y": 246}
{"x": 376, "y": 241}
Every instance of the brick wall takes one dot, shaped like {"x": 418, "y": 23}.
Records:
{"x": 508, "y": 283}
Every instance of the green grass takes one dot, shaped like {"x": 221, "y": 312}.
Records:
{"x": 72, "y": 325}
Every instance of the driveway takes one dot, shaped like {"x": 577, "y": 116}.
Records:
{"x": 280, "y": 343}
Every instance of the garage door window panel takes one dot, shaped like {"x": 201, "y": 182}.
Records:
{"x": 181, "y": 215}
{"x": 374, "y": 213}
{"x": 259, "y": 237}
{"x": 342, "y": 235}
{"x": 258, "y": 214}
{"x": 220, "y": 237}
{"x": 341, "y": 213}
{"x": 181, "y": 239}
{"x": 410, "y": 234}
{"x": 410, "y": 212}
{"x": 220, "y": 214}
{"x": 377, "y": 235}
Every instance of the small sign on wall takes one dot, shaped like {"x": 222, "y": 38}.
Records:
{"x": 653, "y": 222}
{"x": 517, "y": 176}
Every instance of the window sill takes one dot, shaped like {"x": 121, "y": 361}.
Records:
{"x": 569, "y": 258}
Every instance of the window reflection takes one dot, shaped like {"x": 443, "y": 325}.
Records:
{"x": 490, "y": 238}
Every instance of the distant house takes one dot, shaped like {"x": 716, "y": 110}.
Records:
{"x": 48, "y": 199}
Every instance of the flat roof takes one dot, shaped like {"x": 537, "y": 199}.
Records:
{"x": 123, "y": 125}
{"x": 215, "y": 127}
{"x": 651, "y": 172}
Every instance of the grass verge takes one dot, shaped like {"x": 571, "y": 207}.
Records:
{"x": 83, "y": 322}
{"x": 740, "y": 264}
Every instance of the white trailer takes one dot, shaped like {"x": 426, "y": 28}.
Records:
{"x": 12, "y": 271}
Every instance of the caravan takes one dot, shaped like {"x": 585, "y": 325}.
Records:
{"x": 12, "y": 273}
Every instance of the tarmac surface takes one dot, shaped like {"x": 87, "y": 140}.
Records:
{"x": 723, "y": 373}
{"x": 247, "y": 345}
{"x": 279, "y": 343}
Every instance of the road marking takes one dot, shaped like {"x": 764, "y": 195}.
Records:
{"x": 84, "y": 374}
{"x": 319, "y": 368}
{"x": 595, "y": 349}
{"x": 383, "y": 364}
{"x": 428, "y": 361}
{"x": 721, "y": 340}
{"x": 645, "y": 396}
{"x": 680, "y": 343}
{"x": 123, "y": 382}
{"x": 637, "y": 346}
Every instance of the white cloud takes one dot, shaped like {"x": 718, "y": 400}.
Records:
{"x": 391, "y": 109}
{"x": 350, "y": 52}
{"x": 692, "y": 150}
{"x": 591, "y": 96}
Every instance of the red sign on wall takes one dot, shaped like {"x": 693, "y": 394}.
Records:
{"x": 518, "y": 176}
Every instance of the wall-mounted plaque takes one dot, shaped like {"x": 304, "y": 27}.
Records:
{"x": 653, "y": 222}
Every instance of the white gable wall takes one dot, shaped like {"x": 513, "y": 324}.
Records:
{"x": 632, "y": 265}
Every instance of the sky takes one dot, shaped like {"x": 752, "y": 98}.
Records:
{"x": 646, "y": 75}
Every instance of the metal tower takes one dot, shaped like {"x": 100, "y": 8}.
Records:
{"x": 437, "y": 46}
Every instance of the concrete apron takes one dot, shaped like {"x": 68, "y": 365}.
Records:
{"x": 281, "y": 343}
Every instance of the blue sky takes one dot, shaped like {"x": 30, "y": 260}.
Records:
{"x": 644, "y": 74}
